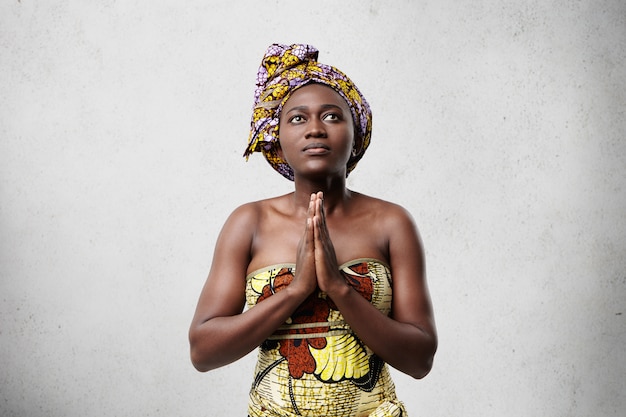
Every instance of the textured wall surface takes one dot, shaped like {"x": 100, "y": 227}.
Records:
{"x": 501, "y": 125}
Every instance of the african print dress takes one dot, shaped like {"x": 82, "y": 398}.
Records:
{"x": 314, "y": 365}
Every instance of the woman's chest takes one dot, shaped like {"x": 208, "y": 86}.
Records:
{"x": 278, "y": 242}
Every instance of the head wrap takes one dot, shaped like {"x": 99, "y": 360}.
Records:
{"x": 283, "y": 70}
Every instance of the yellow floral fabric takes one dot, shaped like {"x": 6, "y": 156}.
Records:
{"x": 314, "y": 365}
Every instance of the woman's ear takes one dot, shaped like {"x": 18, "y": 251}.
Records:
{"x": 279, "y": 150}
{"x": 357, "y": 144}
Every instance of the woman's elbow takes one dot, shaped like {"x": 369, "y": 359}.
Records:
{"x": 197, "y": 355}
{"x": 424, "y": 360}
{"x": 423, "y": 368}
{"x": 198, "y": 362}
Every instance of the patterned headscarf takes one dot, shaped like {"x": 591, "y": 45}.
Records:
{"x": 283, "y": 70}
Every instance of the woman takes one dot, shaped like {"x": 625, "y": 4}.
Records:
{"x": 333, "y": 279}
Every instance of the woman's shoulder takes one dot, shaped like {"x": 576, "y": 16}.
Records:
{"x": 379, "y": 207}
{"x": 252, "y": 210}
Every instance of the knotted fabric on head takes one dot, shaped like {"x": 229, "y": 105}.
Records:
{"x": 284, "y": 69}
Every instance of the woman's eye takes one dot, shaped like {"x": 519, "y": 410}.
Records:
{"x": 331, "y": 117}
{"x": 296, "y": 119}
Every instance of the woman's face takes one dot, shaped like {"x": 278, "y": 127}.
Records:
{"x": 316, "y": 132}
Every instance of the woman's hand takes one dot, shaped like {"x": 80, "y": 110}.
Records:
{"x": 304, "y": 281}
{"x": 329, "y": 278}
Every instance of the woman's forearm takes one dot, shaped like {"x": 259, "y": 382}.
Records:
{"x": 222, "y": 340}
{"x": 405, "y": 346}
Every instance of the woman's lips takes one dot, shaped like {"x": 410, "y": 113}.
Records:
{"x": 316, "y": 148}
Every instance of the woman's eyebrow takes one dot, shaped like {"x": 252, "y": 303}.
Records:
{"x": 323, "y": 107}
{"x": 331, "y": 106}
{"x": 298, "y": 108}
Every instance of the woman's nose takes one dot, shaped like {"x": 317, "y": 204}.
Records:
{"x": 316, "y": 128}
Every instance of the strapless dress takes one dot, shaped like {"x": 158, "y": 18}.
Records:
{"x": 314, "y": 364}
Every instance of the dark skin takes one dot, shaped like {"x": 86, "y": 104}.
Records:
{"x": 319, "y": 226}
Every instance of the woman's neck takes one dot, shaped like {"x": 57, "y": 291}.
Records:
{"x": 336, "y": 195}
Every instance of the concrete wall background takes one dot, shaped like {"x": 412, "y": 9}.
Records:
{"x": 500, "y": 125}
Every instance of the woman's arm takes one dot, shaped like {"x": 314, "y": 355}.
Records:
{"x": 220, "y": 333}
{"x": 407, "y": 339}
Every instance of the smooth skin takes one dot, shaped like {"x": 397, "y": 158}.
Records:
{"x": 319, "y": 226}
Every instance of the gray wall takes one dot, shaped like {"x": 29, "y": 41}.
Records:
{"x": 499, "y": 124}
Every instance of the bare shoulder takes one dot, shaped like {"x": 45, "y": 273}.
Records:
{"x": 242, "y": 218}
{"x": 249, "y": 214}
{"x": 236, "y": 241}
{"x": 249, "y": 221}
{"x": 389, "y": 213}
